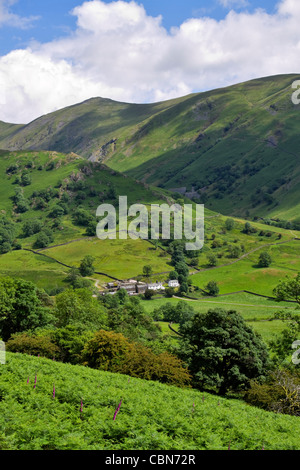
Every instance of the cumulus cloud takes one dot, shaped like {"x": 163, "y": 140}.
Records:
{"x": 118, "y": 51}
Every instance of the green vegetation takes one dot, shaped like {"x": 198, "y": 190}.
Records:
{"x": 72, "y": 408}
{"x": 248, "y": 133}
{"x": 222, "y": 352}
{"x": 190, "y": 367}
{"x": 21, "y": 307}
{"x": 58, "y": 211}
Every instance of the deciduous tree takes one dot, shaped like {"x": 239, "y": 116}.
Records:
{"x": 222, "y": 352}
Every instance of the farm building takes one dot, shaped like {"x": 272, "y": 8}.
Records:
{"x": 132, "y": 287}
{"x": 156, "y": 286}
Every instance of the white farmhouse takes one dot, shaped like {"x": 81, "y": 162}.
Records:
{"x": 173, "y": 283}
{"x": 156, "y": 286}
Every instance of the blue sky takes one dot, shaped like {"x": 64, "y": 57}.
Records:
{"x": 61, "y": 52}
{"x": 52, "y": 18}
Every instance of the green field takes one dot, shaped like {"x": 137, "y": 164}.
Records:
{"x": 245, "y": 275}
{"x": 118, "y": 258}
{"x": 257, "y": 311}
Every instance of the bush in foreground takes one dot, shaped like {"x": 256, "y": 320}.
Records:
{"x": 113, "y": 352}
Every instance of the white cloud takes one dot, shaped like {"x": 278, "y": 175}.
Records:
{"x": 119, "y": 52}
{"x": 234, "y": 3}
{"x": 11, "y": 19}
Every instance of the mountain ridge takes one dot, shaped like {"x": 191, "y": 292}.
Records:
{"x": 234, "y": 148}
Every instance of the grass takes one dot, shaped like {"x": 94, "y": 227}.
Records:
{"x": 119, "y": 258}
{"x": 43, "y": 272}
{"x": 246, "y": 275}
{"x": 257, "y": 311}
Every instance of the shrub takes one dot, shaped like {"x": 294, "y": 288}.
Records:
{"x": 28, "y": 343}
{"x": 280, "y": 393}
{"x": 212, "y": 288}
{"x": 113, "y": 352}
{"x": 43, "y": 239}
{"x": 264, "y": 260}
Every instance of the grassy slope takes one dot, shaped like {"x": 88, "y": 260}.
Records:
{"x": 126, "y": 259}
{"x": 112, "y": 257}
{"x": 152, "y": 416}
{"x": 250, "y": 127}
{"x": 234, "y": 125}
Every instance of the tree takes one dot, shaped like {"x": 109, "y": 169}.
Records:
{"x": 212, "y": 288}
{"x": 91, "y": 229}
{"x": 76, "y": 280}
{"x": 44, "y": 238}
{"x": 32, "y": 227}
{"x": 264, "y": 260}
{"x": 131, "y": 319}
{"x": 182, "y": 269}
{"x": 184, "y": 287}
{"x": 32, "y": 343}
{"x": 58, "y": 211}
{"x": 86, "y": 267}
{"x": 248, "y": 228}
{"x": 281, "y": 344}
{"x": 211, "y": 260}
{"x": 288, "y": 289}
{"x": 78, "y": 307}
{"x": 21, "y": 307}
{"x": 25, "y": 179}
{"x": 71, "y": 340}
{"x": 7, "y": 234}
{"x": 149, "y": 293}
{"x": 173, "y": 275}
{"x": 82, "y": 217}
{"x": 234, "y": 251}
{"x": 221, "y": 351}
{"x": 147, "y": 271}
{"x": 22, "y": 205}
{"x": 280, "y": 392}
{"x": 177, "y": 252}
{"x": 122, "y": 296}
{"x": 179, "y": 313}
{"x": 229, "y": 224}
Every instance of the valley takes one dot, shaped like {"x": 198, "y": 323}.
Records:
{"x": 235, "y": 150}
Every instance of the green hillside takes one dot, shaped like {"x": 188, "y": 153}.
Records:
{"x": 152, "y": 416}
{"x": 54, "y": 193}
{"x": 236, "y": 147}
{"x": 59, "y": 194}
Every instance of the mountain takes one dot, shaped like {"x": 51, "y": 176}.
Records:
{"x": 234, "y": 148}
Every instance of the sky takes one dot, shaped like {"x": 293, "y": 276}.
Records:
{"x": 55, "y": 53}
